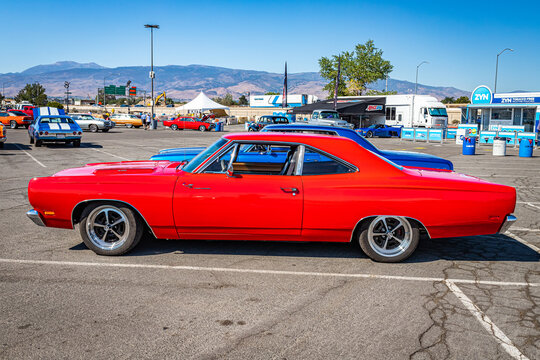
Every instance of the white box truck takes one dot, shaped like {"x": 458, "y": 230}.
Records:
{"x": 415, "y": 111}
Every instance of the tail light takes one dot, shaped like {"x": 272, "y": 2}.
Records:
{"x": 80, "y": 133}
{"x": 41, "y": 133}
{"x": 46, "y": 133}
{"x": 74, "y": 133}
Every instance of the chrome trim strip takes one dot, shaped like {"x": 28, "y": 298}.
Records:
{"x": 120, "y": 201}
{"x": 408, "y": 217}
{"x": 510, "y": 219}
{"x": 34, "y": 216}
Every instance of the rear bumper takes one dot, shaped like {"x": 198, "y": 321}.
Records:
{"x": 510, "y": 219}
{"x": 34, "y": 216}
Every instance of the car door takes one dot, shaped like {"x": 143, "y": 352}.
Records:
{"x": 4, "y": 118}
{"x": 248, "y": 199}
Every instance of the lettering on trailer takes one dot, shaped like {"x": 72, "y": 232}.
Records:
{"x": 374, "y": 107}
{"x": 516, "y": 100}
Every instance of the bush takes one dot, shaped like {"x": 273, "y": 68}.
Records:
{"x": 55, "y": 104}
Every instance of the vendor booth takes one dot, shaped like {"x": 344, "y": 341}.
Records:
{"x": 203, "y": 103}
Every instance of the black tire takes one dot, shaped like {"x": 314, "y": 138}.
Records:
{"x": 105, "y": 130}
{"x": 1, "y": 145}
{"x": 138, "y": 126}
{"x": 202, "y": 128}
{"x": 31, "y": 140}
{"x": 38, "y": 143}
{"x": 13, "y": 124}
{"x": 369, "y": 134}
{"x": 129, "y": 126}
{"x": 93, "y": 128}
{"x": 131, "y": 236}
{"x": 251, "y": 129}
{"x": 76, "y": 143}
{"x": 371, "y": 248}
{"x": 174, "y": 127}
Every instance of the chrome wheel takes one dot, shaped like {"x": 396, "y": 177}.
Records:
{"x": 107, "y": 227}
{"x": 390, "y": 236}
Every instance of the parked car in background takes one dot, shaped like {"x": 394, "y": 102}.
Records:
{"x": 188, "y": 123}
{"x": 88, "y": 122}
{"x": 329, "y": 118}
{"x": 128, "y": 120}
{"x": 28, "y": 109}
{"x": 15, "y": 118}
{"x": 403, "y": 158}
{"x": 3, "y": 135}
{"x": 55, "y": 128}
{"x": 349, "y": 194}
{"x": 380, "y": 130}
{"x": 266, "y": 120}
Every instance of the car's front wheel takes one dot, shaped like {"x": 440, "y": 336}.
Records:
{"x": 110, "y": 229}
{"x": 93, "y": 128}
{"x": 202, "y": 128}
{"x": 369, "y": 134}
{"x": 389, "y": 238}
{"x": 13, "y": 124}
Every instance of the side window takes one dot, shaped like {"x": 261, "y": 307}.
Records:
{"x": 316, "y": 163}
{"x": 256, "y": 159}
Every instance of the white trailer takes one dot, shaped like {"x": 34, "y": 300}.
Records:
{"x": 277, "y": 100}
{"x": 415, "y": 111}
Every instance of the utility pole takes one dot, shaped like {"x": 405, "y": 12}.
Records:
{"x": 415, "y": 91}
{"x": 152, "y": 74}
{"x": 497, "y": 67}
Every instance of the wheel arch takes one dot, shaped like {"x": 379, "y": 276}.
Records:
{"x": 79, "y": 208}
{"x": 366, "y": 219}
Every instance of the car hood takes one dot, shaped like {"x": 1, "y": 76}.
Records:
{"x": 118, "y": 168}
{"x": 419, "y": 160}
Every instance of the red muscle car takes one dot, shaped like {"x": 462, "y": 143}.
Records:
{"x": 187, "y": 122}
{"x": 324, "y": 188}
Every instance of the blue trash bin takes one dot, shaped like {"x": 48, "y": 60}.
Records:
{"x": 526, "y": 148}
{"x": 469, "y": 145}
{"x": 219, "y": 126}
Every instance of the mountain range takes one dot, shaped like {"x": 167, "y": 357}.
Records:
{"x": 185, "y": 82}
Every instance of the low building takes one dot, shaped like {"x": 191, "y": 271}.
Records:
{"x": 489, "y": 110}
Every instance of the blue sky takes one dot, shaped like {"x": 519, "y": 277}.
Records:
{"x": 460, "y": 39}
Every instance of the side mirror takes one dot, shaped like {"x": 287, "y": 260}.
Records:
{"x": 230, "y": 171}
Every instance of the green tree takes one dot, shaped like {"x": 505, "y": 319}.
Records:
{"x": 360, "y": 67}
{"x": 272, "y": 93}
{"x": 33, "y": 93}
{"x": 377, "y": 92}
{"x": 242, "y": 100}
{"x": 462, "y": 100}
{"x": 227, "y": 100}
{"x": 448, "y": 100}
{"x": 55, "y": 104}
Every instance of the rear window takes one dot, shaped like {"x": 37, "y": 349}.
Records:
{"x": 56, "y": 121}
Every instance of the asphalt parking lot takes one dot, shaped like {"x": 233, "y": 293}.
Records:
{"x": 475, "y": 297}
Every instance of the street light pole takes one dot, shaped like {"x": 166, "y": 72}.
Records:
{"x": 497, "y": 67}
{"x": 66, "y": 85}
{"x": 415, "y": 91}
{"x": 152, "y": 74}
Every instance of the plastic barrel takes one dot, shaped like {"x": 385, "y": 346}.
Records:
{"x": 469, "y": 145}
{"x": 499, "y": 146}
{"x": 525, "y": 148}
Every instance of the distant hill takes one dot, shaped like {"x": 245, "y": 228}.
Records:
{"x": 185, "y": 82}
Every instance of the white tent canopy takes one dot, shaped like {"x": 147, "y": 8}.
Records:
{"x": 202, "y": 103}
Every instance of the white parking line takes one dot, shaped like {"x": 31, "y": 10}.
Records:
{"x": 27, "y": 153}
{"x": 268, "y": 272}
{"x": 108, "y": 153}
{"x": 523, "y": 241}
{"x": 486, "y": 322}
{"x": 525, "y": 229}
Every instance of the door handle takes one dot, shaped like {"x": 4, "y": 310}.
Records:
{"x": 190, "y": 186}
{"x": 292, "y": 190}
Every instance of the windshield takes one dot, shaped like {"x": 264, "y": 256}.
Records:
{"x": 199, "y": 159}
{"x": 437, "y": 112}
{"x": 329, "y": 115}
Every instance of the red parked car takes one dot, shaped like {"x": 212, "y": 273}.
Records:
{"x": 188, "y": 122}
{"x": 317, "y": 188}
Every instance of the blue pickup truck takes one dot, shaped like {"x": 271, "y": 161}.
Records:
{"x": 403, "y": 158}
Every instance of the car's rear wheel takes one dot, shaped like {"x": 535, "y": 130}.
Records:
{"x": 202, "y": 128}
{"x": 174, "y": 127}
{"x": 93, "y": 128}
{"x": 39, "y": 143}
{"x": 110, "y": 229}
{"x": 31, "y": 140}
{"x": 389, "y": 238}
{"x": 369, "y": 134}
{"x": 129, "y": 126}
{"x": 13, "y": 124}
{"x": 76, "y": 143}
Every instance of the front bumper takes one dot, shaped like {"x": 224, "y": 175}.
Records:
{"x": 510, "y": 219}
{"x": 34, "y": 216}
